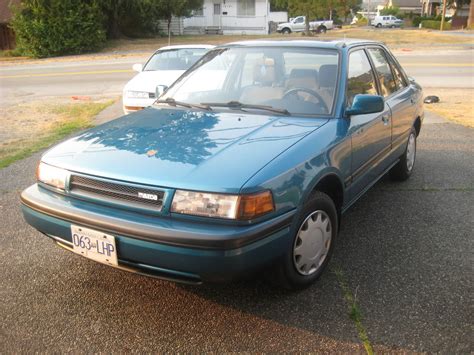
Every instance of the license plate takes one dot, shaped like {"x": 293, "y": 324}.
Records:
{"x": 94, "y": 245}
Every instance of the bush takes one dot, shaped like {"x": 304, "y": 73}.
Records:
{"x": 46, "y": 28}
{"x": 435, "y": 25}
{"x": 362, "y": 21}
{"x": 418, "y": 19}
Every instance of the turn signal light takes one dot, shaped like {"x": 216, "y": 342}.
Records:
{"x": 252, "y": 206}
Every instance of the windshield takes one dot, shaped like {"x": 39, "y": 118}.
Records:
{"x": 299, "y": 80}
{"x": 174, "y": 59}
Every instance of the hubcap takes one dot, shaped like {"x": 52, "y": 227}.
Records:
{"x": 411, "y": 150}
{"x": 312, "y": 243}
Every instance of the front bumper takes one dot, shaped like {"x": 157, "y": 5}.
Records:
{"x": 167, "y": 248}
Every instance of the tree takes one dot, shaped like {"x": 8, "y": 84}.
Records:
{"x": 345, "y": 7}
{"x": 470, "y": 20}
{"x": 178, "y": 8}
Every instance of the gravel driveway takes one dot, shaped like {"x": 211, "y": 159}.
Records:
{"x": 405, "y": 250}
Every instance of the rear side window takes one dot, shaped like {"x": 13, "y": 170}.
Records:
{"x": 399, "y": 77}
{"x": 383, "y": 71}
{"x": 360, "y": 77}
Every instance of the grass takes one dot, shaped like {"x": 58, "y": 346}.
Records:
{"x": 70, "y": 118}
{"x": 456, "y": 105}
{"x": 354, "y": 310}
{"x": 392, "y": 37}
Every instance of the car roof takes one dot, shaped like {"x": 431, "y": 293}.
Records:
{"x": 189, "y": 46}
{"x": 335, "y": 43}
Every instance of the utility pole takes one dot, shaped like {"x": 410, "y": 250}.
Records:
{"x": 443, "y": 15}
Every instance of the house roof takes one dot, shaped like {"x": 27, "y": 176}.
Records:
{"x": 406, "y": 3}
{"x": 5, "y": 12}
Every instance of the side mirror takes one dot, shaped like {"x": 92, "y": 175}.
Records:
{"x": 137, "y": 67}
{"x": 160, "y": 90}
{"x": 364, "y": 104}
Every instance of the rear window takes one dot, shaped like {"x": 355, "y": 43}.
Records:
{"x": 174, "y": 59}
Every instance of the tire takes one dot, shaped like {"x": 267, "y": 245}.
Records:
{"x": 322, "y": 29}
{"x": 379, "y": 25}
{"x": 404, "y": 168}
{"x": 286, "y": 31}
{"x": 320, "y": 213}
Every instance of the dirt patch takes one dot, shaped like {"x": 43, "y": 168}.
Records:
{"x": 456, "y": 105}
{"x": 28, "y": 127}
{"x": 402, "y": 39}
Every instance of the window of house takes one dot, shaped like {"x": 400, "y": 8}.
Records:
{"x": 360, "y": 78}
{"x": 383, "y": 71}
{"x": 198, "y": 12}
{"x": 245, "y": 7}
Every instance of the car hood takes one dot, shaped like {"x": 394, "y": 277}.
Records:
{"x": 148, "y": 80}
{"x": 195, "y": 150}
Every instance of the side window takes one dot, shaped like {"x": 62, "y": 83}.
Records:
{"x": 360, "y": 79}
{"x": 399, "y": 77}
{"x": 383, "y": 71}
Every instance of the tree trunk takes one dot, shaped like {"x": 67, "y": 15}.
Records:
{"x": 470, "y": 20}
{"x": 169, "y": 30}
{"x": 306, "y": 24}
{"x": 113, "y": 29}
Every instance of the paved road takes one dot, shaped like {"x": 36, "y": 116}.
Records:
{"x": 107, "y": 77}
{"x": 406, "y": 250}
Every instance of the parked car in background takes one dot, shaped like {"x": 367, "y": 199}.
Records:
{"x": 253, "y": 170}
{"x": 297, "y": 24}
{"x": 386, "y": 21}
{"x": 161, "y": 70}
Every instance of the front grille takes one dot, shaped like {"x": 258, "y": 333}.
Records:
{"x": 127, "y": 195}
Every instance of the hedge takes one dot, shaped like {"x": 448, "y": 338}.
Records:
{"x": 435, "y": 25}
{"x": 46, "y": 28}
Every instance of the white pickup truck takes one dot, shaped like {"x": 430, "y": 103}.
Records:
{"x": 297, "y": 24}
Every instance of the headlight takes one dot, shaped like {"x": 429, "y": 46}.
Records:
{"x": 137, "y": 94}
{"x": 51, "y": 175}
{"x": 222, "y": 206}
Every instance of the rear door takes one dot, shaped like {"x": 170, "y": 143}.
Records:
{"x": 397, "y": 92}
{"x": 371, "y": 134}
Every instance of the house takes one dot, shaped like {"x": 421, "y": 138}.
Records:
{"x": 7, "y": 36}
{"x": 458, "y": 12}
{"x": 405, "y": 6}
{"x": 233, "y": 17}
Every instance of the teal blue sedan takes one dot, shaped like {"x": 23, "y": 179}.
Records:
{"x": 246, "y": 163}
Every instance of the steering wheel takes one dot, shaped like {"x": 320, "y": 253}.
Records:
{"x": 308, "y": 91}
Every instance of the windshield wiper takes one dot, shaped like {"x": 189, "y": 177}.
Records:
{"x": 236, "y": 105}
{"x": 172, "y": 102}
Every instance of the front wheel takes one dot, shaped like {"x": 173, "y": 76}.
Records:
{"x": 404, "y": 168}
{"x": 311, "y": 246}
{"x": 379, "y": 25}
{"x": 286, "y": 31}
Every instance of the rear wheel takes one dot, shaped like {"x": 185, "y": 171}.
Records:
{"x": 404, "y": 168}
{"x": 311, "y": 246}
{"x": 322, "y": 29}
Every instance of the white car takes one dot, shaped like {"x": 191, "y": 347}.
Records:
{"x": 160, "y": 71}
{"x": 298, "y": 24}
{"x": 386, "y": 21}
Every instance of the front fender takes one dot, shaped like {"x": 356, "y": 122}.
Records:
{"x": 293, "y": 175}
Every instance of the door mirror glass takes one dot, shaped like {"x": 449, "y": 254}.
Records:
{"x": 137, "y": 67}
{"x": 160, "y": 89}
{"x": 365, "y": 104}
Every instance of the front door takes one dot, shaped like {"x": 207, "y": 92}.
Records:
{"x": 216, "y": 19}
{"x": 371, "y": 134}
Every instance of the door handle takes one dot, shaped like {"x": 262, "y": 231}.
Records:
{"x": 385, "y": 119}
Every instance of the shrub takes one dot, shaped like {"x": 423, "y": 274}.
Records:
{"x": 362, "y": 21}
{"x": 435, "y": 25}
{"x": 46, "y": 28}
